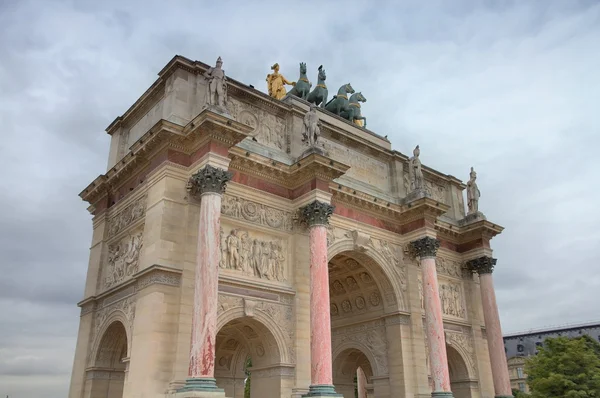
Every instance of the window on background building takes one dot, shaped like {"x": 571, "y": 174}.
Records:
{"x": 520, "y": 347}
{"x": 522, "y": 387}
{"x": 520, "y": 373}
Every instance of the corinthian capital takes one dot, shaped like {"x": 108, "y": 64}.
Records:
{"x": 316, "y": 213}
{"x": 425, "y": 247}
{"x": 482, "y": 265}
{"x": 208, "y": 179}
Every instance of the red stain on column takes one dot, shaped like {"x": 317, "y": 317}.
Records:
{"x": 320, "y": 322}
{"x": 204, "y": 318}
{"x": 434, "y": 326}
{"x": 494, "y": 336}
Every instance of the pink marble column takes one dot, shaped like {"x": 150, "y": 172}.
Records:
{"x": 484, "y": 266}
{"x": 316, "y": 215}
{"x": 426, "y": 249}
{"x": 208, "y": 184}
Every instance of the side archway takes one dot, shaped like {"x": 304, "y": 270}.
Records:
{"x": 461, "y": 382}
{"x": 108, "y": 372}
{"x": 353, "y": 372}
{"x": 251, "y": 351}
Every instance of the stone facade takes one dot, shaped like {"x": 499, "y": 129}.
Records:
{"x": 152, "y": 240}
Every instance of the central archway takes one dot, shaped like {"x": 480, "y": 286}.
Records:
{"x": 460, "y": 382}
{"x": 247, "y": 353}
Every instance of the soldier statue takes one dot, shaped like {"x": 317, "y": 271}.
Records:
{"x": 311, "y": 127}
{"x": 473, "y": 193}
{"x": 217, "y": 85}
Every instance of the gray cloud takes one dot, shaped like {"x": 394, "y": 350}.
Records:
{"x": 507, "y": 87}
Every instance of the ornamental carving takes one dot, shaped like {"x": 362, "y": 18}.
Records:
{"x": 425, "y": 247}
{"x": 463, "y": 343}
{"x": 264, "y": 259}
{"x": 448, "y": 267}
{"x": 257, "y": 213}
{"x": 226, "y": 302}
{"x": 451, "y": 297}
{"x": 268, "y": 129}
{"x": 482, "y": 265}
{"x": 126, "y": 306}
{"x": 394, "y": 256}
{"x": 283, "y": 316}
{"x": 123, "y": 259}
{"x": 370, "y": 335}
{"x": 316, "y": 213}
{"x": 133, "y": 212}
{"x": 208, "y": 179}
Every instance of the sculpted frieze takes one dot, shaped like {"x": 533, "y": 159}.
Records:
{"x": 370, "y": 335}
{"x": 258, "y": 213}
{"x": 127, "y": 216}
{"x": 268, "y": 129}
{"x": 256, "y": 257}
{"x": 123, "y": 259}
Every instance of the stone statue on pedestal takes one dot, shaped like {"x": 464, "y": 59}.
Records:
{"x": 311, "y": 127}
{"x": 473, "y": 193}
{"x": 217, "y": 85}
{"x": 415, "y": 174}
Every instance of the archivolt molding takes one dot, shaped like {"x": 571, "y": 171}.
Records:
{"x": 463, "y": 344}
{"x": 369, "y": 338}
{"x": 376, "y": 256}
{"x": 276, "y": 317}
{"x": 122, "y": 311}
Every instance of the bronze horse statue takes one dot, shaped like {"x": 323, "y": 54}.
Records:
{"x": 302, "y": 86}
{"x": 353, "y": 113}
{"x": 319, "y": 95}
{"x": 339, "y": 103}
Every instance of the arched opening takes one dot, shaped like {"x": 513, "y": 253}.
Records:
{"x": 352, "y": 374}
{"x": 106, "y": 377}
{"x": 248, "y": 360}
{"x": 460, "y": 382}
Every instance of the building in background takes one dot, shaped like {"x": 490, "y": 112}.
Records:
{"x": 519, "y": 346}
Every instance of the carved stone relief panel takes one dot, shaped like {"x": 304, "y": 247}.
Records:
{"x": 127, "y": 216}
{"x": 268, "y": 129}
{"x": 123, "y": 259}
{"x": 258, "y": 213}
{"x": 451, "y": 297}
{"x": 253, "y": 254}
{"x": 362, "y": 167}
{"x": 370, "y": 335}
{"x": 448, "y": 267}
{"x": 394, "y": 255}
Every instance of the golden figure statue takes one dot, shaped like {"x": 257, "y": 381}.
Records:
{"x": 276, "y": 83}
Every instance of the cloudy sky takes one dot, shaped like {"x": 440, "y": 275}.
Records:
{"x": 510, "y": 87}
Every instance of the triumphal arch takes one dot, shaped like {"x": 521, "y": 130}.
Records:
{"x": 267, "y": 244}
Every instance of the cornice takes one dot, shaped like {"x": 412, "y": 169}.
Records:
{"x": 466, "y": 233}
{"x": 289, "y": 176}
{"x": 206, "y": 127}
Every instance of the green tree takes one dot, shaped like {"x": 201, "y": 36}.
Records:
{"x": 248, "y": 386}
{"x": 519, "y": 394}
{"x": 565, "y": 368}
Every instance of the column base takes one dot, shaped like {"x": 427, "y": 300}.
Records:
{"x": 442, "y": 394}
{"x": 322, "y": 390}
{"x": 200, "y": 388}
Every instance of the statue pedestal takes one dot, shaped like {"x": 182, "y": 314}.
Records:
{"x": 471, "y": 218}
{"x": 416, "y": 194}
{"x": 218, "y": 110}
{"x": 311, "y": 150}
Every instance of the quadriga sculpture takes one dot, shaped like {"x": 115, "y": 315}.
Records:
{"x": 302, "y": 86}
{"x": 319, "y": 95}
